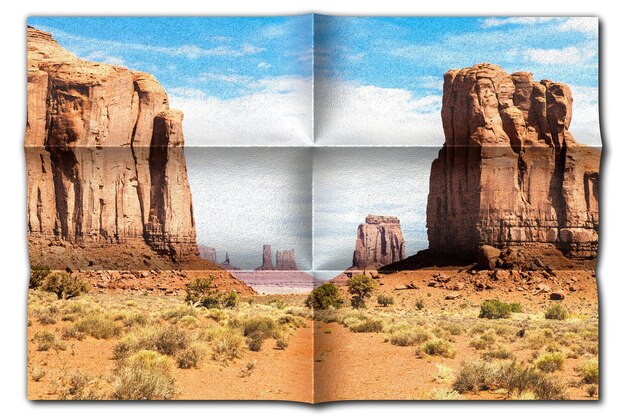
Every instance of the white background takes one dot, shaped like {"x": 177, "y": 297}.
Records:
{"x": 13, "y": 275}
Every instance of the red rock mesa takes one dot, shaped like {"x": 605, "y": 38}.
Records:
{"x": 379, "y": 242}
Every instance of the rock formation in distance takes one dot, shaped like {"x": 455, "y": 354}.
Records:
{"x": 267, "y": 264}
{"x": 285, "y": 260}
{"x": 104, "y": 155}
{"x": 379, "y": 242}
{"x": 207, "y": 253}
{"x": 510, "y": 173}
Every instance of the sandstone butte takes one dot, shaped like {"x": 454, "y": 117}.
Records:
{"x": 104, "y": 156}
{"x": 379, "y": 242}
{"x": 510, "y": 174}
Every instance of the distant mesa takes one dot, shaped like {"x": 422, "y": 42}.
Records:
{"x": 379, "y": 242}
{"x": 510, "y": 173}
{"x": 207, "y": 253}
{"x": 285, "y": 260}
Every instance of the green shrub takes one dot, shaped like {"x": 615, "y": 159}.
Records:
{"x": 325, "y": 296}
{"x": 361, "y": 288}
{"x": 64, "y": 285}
{"x": 484, "y": 341}
{"x": 385, "y": 300}
{"x": 494, "y": 309}
{"x": 474, "y": 376}
{"x": 516, "y": 308}
{"x": 556, "y": 312}
{"x": 437, "y": 347}
{"x": 589, "y": 371}
{"x": 203, "y": 292}
{"x": 46, "y": 340}
{"x": 145, "y": 375}
{"x": 37, "y": 275}
{"x": 550, "y": 362}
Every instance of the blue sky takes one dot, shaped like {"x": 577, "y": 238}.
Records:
{"x": 248, "y": 80}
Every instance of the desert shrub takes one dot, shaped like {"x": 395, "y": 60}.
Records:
{"x": 494, "y": 309}
{"x": 48, "y": 315}
{"x": 99, "y": 327}
{"x": 484, "y": 341}
{"x": 46, "y": 340}
{"x": 455, "y": 329}
{"x": 550, "y": 362}
{"x": 443, "y": 394}
{"x": 409, "y": 336}
{"x": 72, "y": 333}
{"x": 498, "y": 353}
{"x": 37, "y": 275}
{"x": 37, "y": 373}
{"x": 589, "y": 371}
{"x": 203, "y": 292}
{"x": 437, "y": 347}
{"x": 226, "y": 345}
{"x": 445, "y": 374}
{"x": 190, "y": 357}
{"x": 516, "y": 308}
{"x": 474, "y": 376}
{"x": 145, "y": 375}
{"x": 361, "y": 288}
{"x": 328, "y": 331}
{"x": 292, "y": 321}
{"x": 325, "y": 296}
{"x": 385, "y": 300}
{"x": 135, "y": 318}
{"x": 171, "y": 340}
{"x": 176, "y": 313}
{"x": 64, "y": 285}
{"x": 255, "y": 341}
{"x": 248, "y": 368}
{"x": 262, "y": 324}
{"x": 592, "y": 390}
{"x": 367, "y": 326}
{"x": 556, "y": 312}
{"x": 419, "y": 304}
{"x": 281, "y": 343}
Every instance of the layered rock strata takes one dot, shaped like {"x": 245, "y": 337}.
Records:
{"x": 379, "y": 242}
{"x": 510, "y": 173}
{"x": 104, "y": 155}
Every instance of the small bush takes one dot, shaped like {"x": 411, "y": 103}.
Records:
{"x": 361, "y": 288}
{"x": 145, "y": 375}
{"x": 226, "y": 345}
{"x": 37, "y": 374}
{"x": 474, "y": 376}
{"x": 385, "y": 300}
{"x": 516, "y": 308}
{"x": 190, "y": 357}
{"x": 37, "y": 275}
{"x": 328, "y": 330}
{"x": 550, "y": 362}
{"x": 203, "y": 292}
{"x": 367, "y": 326}
{"x": 325, "y": 296}
{"x": 484, "y": 341}
{"x": 64, "y": 285}
{"x": 419, "y": 304}
{"x": 255, "y": 341}
{"x": 99, "y": 327}
{"x": 437, "y": 347}
{"x": 494, "y": 309}
{"x": 171, "y": 340}
{"x": 499, "y": 353}
{"x": 409, "y": 337}
{"x": 281, "y": 343}
{"x": 262, "y": 324}
{"x": 592, "y": 390}
{"x": 556, "y": 312}
{"x": 589, "y": 371}
{"x": 46, "y": 340}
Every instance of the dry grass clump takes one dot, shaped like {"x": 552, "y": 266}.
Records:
{"x": 408, "y": 336}
{"x": 437, "y": 347}
{"x": 47, "y": 340}
{"x": 99, "y": 326}
{"x": 227, "y": 344}
{"x": 191, "y": 356}
{"x": 145, "y": 375}
{"x": 484, "y": 341}
{"x": 550, "y": 362}
{"x": 589, "y": 371}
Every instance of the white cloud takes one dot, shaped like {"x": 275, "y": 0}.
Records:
{"x": 587, "y": 25}
{"x": 263, "y": 65}
{"x": 278, "y": 112}
{"x": 499, "y": 21}
{"x": 571, "y": 55}
{"x": 350, "y": 114}
{"x": 585, "y": 125}
{"x": 102, "y": 56}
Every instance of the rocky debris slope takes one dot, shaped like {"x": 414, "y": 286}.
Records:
{"x": 379, "y": 242}
{"x": 104, "y": 156}
{"x": 510, "y": 173}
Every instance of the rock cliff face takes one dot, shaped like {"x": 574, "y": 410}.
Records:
{"x": 285, "y": 260}
{"x": 104, "y": 155}
{"x": 510, "y": 173}
{"x": 379, "y": 242}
